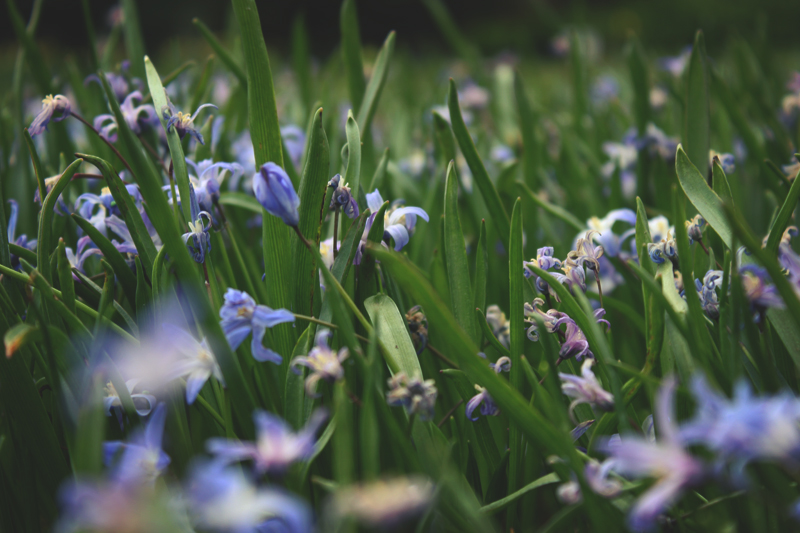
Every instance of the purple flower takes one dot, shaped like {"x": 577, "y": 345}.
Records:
{"x": 575, "y": 343}
{"x": 22, "y": 240}
{"x": 586, "y": 253}
{"x": 241, "y": 316}
{"x": 417, "y": 396}
{"x": 549, "y": 318}
{"x": 596, "y": 474}
{"x": 200, "y": 243}
{"x": 488, "y": 407}
{"x": 50, "y": 106}
{"x": 84, "y": 251}
{"x": 276, "y": 447}
{"x": 142, "y": 460}
{"x": 208, "y": 177}
{"x": 131, "y": 113}
{"x": 666, "y": 460}
{"x": 342, "y": 197}
{"x": 544, "y": 260}
{"x": 119, "y": 85}
{"x": 183, "y": 123}
{"x": 324, "y": 363}
{"x": 758, "y": 289}
{"x": 585, "y": 389}
{"x": 399, "y": 222}
{"x": 274, "y": 191}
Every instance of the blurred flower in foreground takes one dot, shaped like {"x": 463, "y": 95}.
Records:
{"x": 383, "y": 504}
{"x": 241, "y": 316}
{"x": 604, "y": 234}
{"x": 488, "y": 407}
{"x": 416, "y": 395}
{"x": 596, "y": 474}
{"x": 143, "y": 403}
{"x": 274, "y": 191}
{"x": 141, "y": 458}
{"x": 324, "y": 363}
{"x": 50, "y": 106}
{"x": 759, "y": 291}
{"x": 182, "y": 122}
{"x": 295, "y": 141}
{"x": 418, "y": 326}
{"x": 500, "y": 325}
{"x": 585, "y": 389}
{"x": 221, "y": 498}
{"x": 675, "y": 65}
{"x": 277, "y": 445}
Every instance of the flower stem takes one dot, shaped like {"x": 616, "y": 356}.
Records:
{"x": 599, "y": 288}
{"x": 335, "y": 231}
{"x": 449, "y": 414}
{"x": 110, "y": 145}
{"x": 410, "y": 429}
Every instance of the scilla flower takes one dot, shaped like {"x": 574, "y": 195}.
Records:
{"x": 274, "y": 191}
{"x": 416, "y": 395}
{"x": 342, "y": 197}
{"x": 549, "y": 318}
{"x": 208, "y": 176}
{"x": 21, "y": 241}
{"x": 141, "y": 459}
{"x": 500, "y": 325}
{"x": 488, "y": 407}
{"x": 277, "y": 445}
{"x": 197, "y": 239}
{"x": 585, "y": 389}
{"x": 399, "y": 222}
{"x": 694, "y": 228}
{"x": 605, "y": 236}
{"x": 50, "y": 106}
{"x": 182, "y": 122}
{"x": 575, "y": 343}
{"x": 663, "y": 250}
{"x": 241, "y": 316}
{"x": 418, "y": 326}
{"x": 544, "y": 260}
{"x": 324, "y": 363}
{"x": 135, "y": 117}
{"x": 142, "y": 402}
{"x": 586, "y": 253}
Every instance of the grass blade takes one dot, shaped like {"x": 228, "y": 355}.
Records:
{"x": 375, "y": 86}
{"x": 697, "y": 128}
{"x": 351, "y": 53}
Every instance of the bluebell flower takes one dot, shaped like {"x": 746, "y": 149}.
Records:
{"x": 50, "y": 106}
{"x": 85, "y": 249}
{"x": 677, "y": 64}
{"x": 694, "y": 228}
{"x": 342, "y": 197}
{"x": 143, "y": 403}
{"x": 241, "y": 316}
{"x": 663, "y": 250}
{"x": 499, "y": 324}
{"x": 585, "y": 389}
{"x": 759, "y": 290}
{"x": 417, "y": 396}
{"x": 22, "y": 240}
{"x": 141, "y": 459}
{"x": 277, "y": 446}
{"x": 666, "y": 460}
{"x": 483, "y": 399}
{"x": 548, "y": 318}
{"x": 597, "y": 477}
{"x": 707, "y": 291}
{"x": 399, "y": 222}
{"x": 207, "y": 178}
{"x": 197, "y": 239}
{"x": 418, "y": 327}
{"x": 182, "y": 122}
{"x": 575, "y": 343}
{"x": 385, "y": 504}
{"x": 726, "y": 161}
{"x": 135, "y": 117}
{"x": 573, "y": 276}
{"x": 294, "y": 139}
{"x": 586, "y": 253}
{"x": 325, "y": 364}
{"x": 222, "y": 499}
{"x": 544, "y": 260}
{"x": 274, "y": 191}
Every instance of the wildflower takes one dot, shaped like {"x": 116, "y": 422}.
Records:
{"x": 200, "y": 243}
{"x": 605, "y": 89}
{"x": 417, "y": 396}
{"x": 666, "y": 460}
{"x": 97, "y": 207}
{"x": 707, "y": 291}
{"x": 384, "y": 504}
{"x": 549, "y": 318}
{"x": 143, "y": 403}
{"x": 399, "y": 222}
{"x": 274, "y": 191}
{"x": 83, "y": 252}
{"x": 183, "y": 123}
{"x": 21, "y": 241}
{"x": 50, "y": 106}
{"x": 726, "y": 161}
{"x": 142, "y": 460}
{"x": 500, "y": 325}
{"x": 221, "y": 498}
{"x": 118, "y": 83}
{"x": 677, "y": 64}
{"x": 578, "y": 431}
{"x": 118, "y": 226}
{"x": 342, "y": 197}
{"x": 544, "y": 260}
{"x": 611, "y": 242}
{"x": 659, "y": 228}
{"x": 323, "y": 362}
{"x": 694, "y": 228}
{"x": 586, "y": 253}
{"x": 575, "y": 343}
{"x": 208, "y": 177}
{"x": 488, "y": 407}
{"x": 663, "y": 250}
{"x": 586, "y": 389}
{"x": 596, "y": 474}
{"x": 132, "y": 114}
{"x": 276, "y": 447}
{"x": 622, "y": 156}
{"x": 761, "y": 294}
{"x": 418, "y": 326}
{"x": 241, "y": 316}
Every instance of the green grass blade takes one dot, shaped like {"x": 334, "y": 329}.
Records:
{"x": 134, "y": 40}
{"x": 556, "y": 211}
{"x": 241, "y": 200}
{"x": 294, "y": 392}
{"x": 481, "y": 274}
{"x": 301, "y": 60}
{"x": 351, "y": 53}
{"x": 719, "y": 183}
{"x": 373, "y": 91}
{"x": 637, "y": 64}
{"x": 501, "y": 504}
{"x": 527, "y": 126}
{"x": 380, "y": 172}
{"x": 393, "y": 331}
{"x": 352, "y": 175}
{"x": 44, "y": 245}
{"x": 697, "y": 127}
{"x": 783, "y": 217}
{"x": 65, "y": 277}
{"x": 221, "y": 52}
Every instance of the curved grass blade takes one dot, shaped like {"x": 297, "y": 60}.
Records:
{"x": 784, "y": 216}
{"x": 134, "y": 42}
{"x": 242, "y": 200}
{"x": 501, "y": 504}
{"x": 44, "y": 246}
{"x": 373, "y": 91}
{"x": 221, "y": 52}
{"x": 697, "y": 128}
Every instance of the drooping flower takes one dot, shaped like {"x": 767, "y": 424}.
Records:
{"x": 483, "y": 399}
{"x": 707, "y": 291}
{"x": 342, "y": 197}
{"x": 241, "y": 316}
{"x": 143, "y": 403}
{"x": 586, "y": 253}
{"x": 549, "y": 318}
{"x": 222, "y": 499}
{"x": 277, "y": 446}
{"x": 50, "y": 106}
{"x": 141, "y": 459}
{"x": 324, "y": 363}
{"x": 500, "y": 325}
{"x": 694, "y": 228}
{"x": 135, "y": 117}
{"x": 418, "y": 326}
{"x": 182, "y": 122}
{"x": 663, "y": 250}
{"x": 197, "y": 239}
{"x": 417, "y": 396}
{"x": 274, "y": 191}
{"x": 586, "y": 389}
{"x": 399, "y": 222}
{"x": 207, "y": 178}
{"x": 383, "y": 504}
{"x": 544, "y": 260}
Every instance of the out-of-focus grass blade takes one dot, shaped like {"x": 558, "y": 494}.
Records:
{"x": 90, "y": 430}
{"x": 580, "y": 85}
{"x": 481, "y": 274}
{"x": 35, "y": 60}
{"x": 554, "y": 210}
{"x": 175, "y": 148}
{"x": 352, "y": 174}
{"x": 696, "y": 125}
{"x": 784, "y": 216}
{"x": 134, "y": 41}
{"x": 637, "y": 63}
{"x": 200, "y": 89}
{"x": 130, "y": 213}
{"x": 344, "y": 467}
{"x": 240, "y": 199}
{"x": 351, "y": 53}
{"x": 90, "y": 33}
{"x": 221, "y": 52}
{"x": 461, "y": 294}
{"x": 706, "y": 201}
{"x": 369, "y": 432}
{"x": 265, "y": 133}
{"x": 65, "y": 277}
{"x": 444, "y": 138}
{"x": 393, "y": 331}
{"x": 294, "y": 393}
{"x": 527, "y": 126}
{"x": 301, "y": 60}
{"x": 380, "y": 172}
{"x": 499, "y": 215}
{"x": 38, "y": 169}
{"x": 460, "y": 44}
{"x": 312, "y": 194}
{"x": 44, "y": 245}
{"x": 375, "y": 86}
{"x": 501, "y": 504}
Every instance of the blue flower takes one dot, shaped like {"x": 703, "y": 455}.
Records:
{"x": 119, "y": 85}
{"x": 142, "y": 460}
{"x": 416, "y": 395}
{"x": 132, "y": 114}
{"x": 586, "y": 253}
{"x": 605, "y": 236}
{"x": 758, "y": 289}
{"x": 142, "y": 402}
{"x": 277, "y": 446}
{"x": 544, "y": 260}
{"x": 663, "y": 250}
{"x": 675, "y": 65}
{"x": 274, "y": 191}
{"x": 240, "y": 316}
{"x": 200, "y": 243}
{"x": 208, "y": 177}
{"x": 694, "y": 228}
{"x": 21, "y": 241}
{"x": 182, "y": 122}
{"x": 50, "y": 106}
{"x": 399, "y": 222}
{"x": 85, "y": 250}
{"x": 605, "y": 89}
{"x": 575, "y": 343}
{"x": 342, "y": 197}
{"x": 707, "y": 291}
{"x": 324, "y": 363}
{"x": 488, "y": 407}
{"x": 596, "y": 474}
{"x": 585, "y": 389}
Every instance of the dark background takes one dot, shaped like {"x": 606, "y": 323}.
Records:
{"x": 526, "y": 26}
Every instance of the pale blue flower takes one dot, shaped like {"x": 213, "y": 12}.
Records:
{"x": 143, "y": 403}
{"x": 342, "y": 197}
{"x": 399, "y": 222}
{"x": 50, "y": 106}
{"x": 325, "y": 364}
{"x": 241, "y": 316}
{"x": 605, "y": 236}
{"x": 207, "y": 177}
{"x": 182, "y": 122}
{"x": 483, "y": 399}
{"x": 417, "y": 396}
{"x": 274, "y": 191}
{"x": 597, "y": 477}
{"x": 135, "y": 117}
{"x": 586, "y": 254}
{"x": 197, "y": 239}
{"x": 294, "y": 139}
{"x": 677, "y": 64}
{"x": 141, "y": 459}
{"x": 585, "y": 389}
